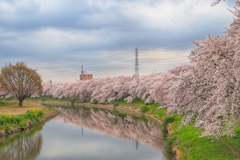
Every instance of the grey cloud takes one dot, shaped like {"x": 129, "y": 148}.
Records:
{"x": 53, "y": 30}
{"x": 66, "y": 14}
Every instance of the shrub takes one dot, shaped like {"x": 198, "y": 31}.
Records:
{"x": 7, "y": 128}
{"x": 95, "y": 102}
{"x": 168, "y": 120}
{"x": 115, "y": 104}
{"x": 144, "y": 109}
{"x": 23, "y": 122}
{"x": 31, "y": 116}
{"x": 165, "y": 122}
{"x": 7, "y": 118}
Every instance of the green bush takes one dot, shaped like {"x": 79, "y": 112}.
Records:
{"x": 7, "y": 128}
{"x": 7, "y": 118}
{"x": 168, "y": 120}
{"x": 165, "y": 122}
{"x": 95, "y": 102}
{"x": 32, "y": 116}
{"x": 115, "y": 104}
{"x": 144, "y": 109}
{"x": 138, "y": 102}
{"x": 23, "y": 122}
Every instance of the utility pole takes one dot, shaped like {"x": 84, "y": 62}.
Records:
{"x": 136, "y": 72}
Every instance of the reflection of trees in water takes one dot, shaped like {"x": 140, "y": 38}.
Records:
{"x": 23, "y": 148}
{"x": 105, "y": 122}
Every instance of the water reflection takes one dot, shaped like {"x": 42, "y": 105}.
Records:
{"x": 86, "y": 139}
{"x": 105, "y": 122}
{"x": 23, "y": 146}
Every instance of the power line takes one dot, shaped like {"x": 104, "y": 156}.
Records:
{"x": 112, "y": 62}
{"x": 136, "y": 72}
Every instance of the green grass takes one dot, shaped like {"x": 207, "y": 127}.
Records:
{"x": 7, "y": 102}
{"x": 31, "y": 117}
{"x": 150, "y": 108}
{"x": 194, "y": 147}
{"x": 144, "y": 109}
{"x": 121, "y": 102}
{"x": 189, "y": 140}
{"x": 1, "y": 103}
{"x": 138, "y": 102}
{"x": 115, "y": 104}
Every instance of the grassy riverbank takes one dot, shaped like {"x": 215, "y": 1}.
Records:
{"x": 14, "y": 118}
{"x": 186, "y": 141}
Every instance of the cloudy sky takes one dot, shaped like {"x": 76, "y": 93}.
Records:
{"x": 57, "y": 37}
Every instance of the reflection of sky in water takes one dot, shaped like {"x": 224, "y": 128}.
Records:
{"x": 66, "y": 142}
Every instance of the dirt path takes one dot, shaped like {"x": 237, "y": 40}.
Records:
{"x": 12, "y": 108}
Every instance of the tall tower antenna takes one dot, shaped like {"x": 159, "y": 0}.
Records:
{"x": 82, "y": 72}
{"x": 136, "y": 72}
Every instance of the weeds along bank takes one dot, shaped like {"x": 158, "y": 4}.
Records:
{"x": 15, "y": 119}
{"x": 187, "y": 142}
{"x": 15, "y": 123}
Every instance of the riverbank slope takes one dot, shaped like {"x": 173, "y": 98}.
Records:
{"x": 14, "y": 118}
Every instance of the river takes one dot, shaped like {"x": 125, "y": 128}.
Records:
{"x": 87, "y": 134}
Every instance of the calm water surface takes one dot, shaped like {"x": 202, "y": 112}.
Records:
{"x": 86, "y": 134}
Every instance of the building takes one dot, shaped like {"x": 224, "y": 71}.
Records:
{"x": 84, "y": 76}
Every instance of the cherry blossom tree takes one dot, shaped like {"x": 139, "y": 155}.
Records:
{"x": 206, "y": 90}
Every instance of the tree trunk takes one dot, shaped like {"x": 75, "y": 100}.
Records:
{"x": 20, "y": 102}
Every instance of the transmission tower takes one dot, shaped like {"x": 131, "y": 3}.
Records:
{"x": 136, "y": 72}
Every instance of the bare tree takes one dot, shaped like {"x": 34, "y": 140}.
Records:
{"x": 20, "y": 81}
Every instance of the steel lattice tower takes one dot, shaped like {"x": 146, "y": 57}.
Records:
{"x": 136, "y": 72}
